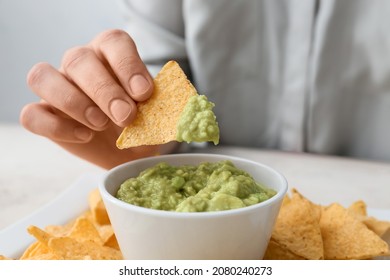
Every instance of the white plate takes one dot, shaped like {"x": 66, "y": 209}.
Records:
{"x": 68, "y": 205}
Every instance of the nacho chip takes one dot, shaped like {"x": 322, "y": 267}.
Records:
{"x": 57, "y": 230}
{"x": 83, "y": 242}
{"x": 345, "y": 237}
{"x": 76, "y": 246}
{"x": 112, "y": 242}
{"x": 158, "y": 116}
{"x": 39, "y": 234}
{"x": 358, "y": 208}
{"x": 276, "y": 252}
{"x": 286, "y": 200}
{"x": 97, "y": 208}
{"x": 377, "y": 226}
{"x": 386, "y": 237}
{"x": 297, "y": 228}
{"x": 4, "y": 258}
{"x": 88, "y": 237}
{"x": 44, "y": 256}
{"x": 70, "y": 249}
{"x": 107, "y": 234}
{"x": 84, "y": 230}
{"x": 35, "y": 249}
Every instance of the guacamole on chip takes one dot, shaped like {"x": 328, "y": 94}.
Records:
{"x": 174, "y": 112}
{"x": 209, "y": 186}
{"x": 197, "y": 122}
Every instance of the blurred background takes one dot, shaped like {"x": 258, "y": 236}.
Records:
{"x": 41, "y": 30}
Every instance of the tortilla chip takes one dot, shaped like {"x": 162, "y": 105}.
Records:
{"x": 107, "y": 234}
{"x": 386, "y": 237}
{"x": 276, "y": 252}
{"x": 286, "y": 200}
{"x": 35, "y": 249}
{"x": 97, "y": 207}
{"x": 88, "y": 237}
{"x": 39, "y": 234}
{"x": 359, "y": 208}
{"x": 158, "y": 116}
{"x": 377, "y": 226}
{"x": 84, "y": 230}
{"x": 76, "y": 246}
{"x": 4, "y": 258}
{"x": 345, "y": 237}
{"x": 47, "y": 256}
{"x": 112, "y": 242}
{"x": 58, "y": 231}
{"x": 71, "y": 249}
{"x": 297, "y": 228}
{"x": 39, "y": 251}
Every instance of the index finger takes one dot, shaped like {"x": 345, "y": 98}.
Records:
{"x": 120, "y": 52}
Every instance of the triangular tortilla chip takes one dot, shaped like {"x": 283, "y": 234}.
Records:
{"x": 297, "y": 227}
{"x": 386, "y": 237}
{"x": 358, "y": 208}
{"x": 276, "y": 252}
{"x": 346, "y": 237}
{"x": 84, "y": 230}
{"x": 377, "y": 226}
{"x": 158, "y": 116}
{"x": 36, "y": 248}
{"x": 97, "y": 208}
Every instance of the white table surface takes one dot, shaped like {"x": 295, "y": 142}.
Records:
{"x": 33, "y": 171}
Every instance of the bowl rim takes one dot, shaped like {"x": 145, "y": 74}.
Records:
{"x": 184, "y": 215}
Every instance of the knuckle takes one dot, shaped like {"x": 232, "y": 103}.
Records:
{"x": 74, "y": 56}
{"x": 54, "y": 129}
{"x": 125, "y": 64}
{"x": 37, "y": 73}
{"x": 70, "y": 102}
{"x": 102, "y": 89}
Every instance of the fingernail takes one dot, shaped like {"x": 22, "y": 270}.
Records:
{"x": 83, "y": 133}
{"x": 120, "y": 110}
{"x": 139, "y": 84}
{"x": 95, "y": 116}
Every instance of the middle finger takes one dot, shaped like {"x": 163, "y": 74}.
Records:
{"x": 85, "y": 69}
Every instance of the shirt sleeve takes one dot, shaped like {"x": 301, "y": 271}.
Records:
{"x": 157, "y": 27}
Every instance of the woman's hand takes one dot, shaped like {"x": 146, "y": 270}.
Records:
{"x": 87, "y": 101}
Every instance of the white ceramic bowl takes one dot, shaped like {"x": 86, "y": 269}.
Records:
{"x": 144, "y": 233}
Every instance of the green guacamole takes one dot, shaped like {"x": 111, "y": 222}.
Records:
{"x": 203, "y": 188}
{"x": 197, "y": 122}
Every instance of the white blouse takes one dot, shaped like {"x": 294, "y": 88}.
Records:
{"x": 295, "y": 75}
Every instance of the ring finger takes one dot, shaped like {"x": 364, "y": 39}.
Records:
{"x": 53, "y": 87}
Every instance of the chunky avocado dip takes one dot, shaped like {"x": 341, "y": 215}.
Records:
{"x": 203, "y": 188}
{"x": 197, "y": 122}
